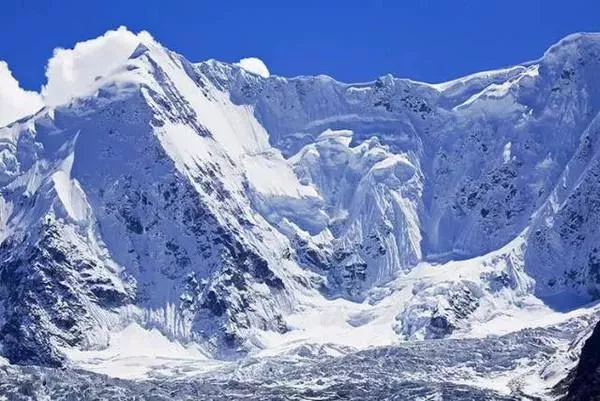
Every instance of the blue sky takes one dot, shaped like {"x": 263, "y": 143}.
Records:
{"x": 352, "y": 40}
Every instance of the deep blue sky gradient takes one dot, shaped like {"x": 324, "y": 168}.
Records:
{"x": 352, "y": 40}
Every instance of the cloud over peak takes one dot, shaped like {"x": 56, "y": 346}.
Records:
{"x": 255, "y": 66}
{"x": 72, "y": 72}
{"x": 75, "y": 72}
{"x": 15, "y": 102}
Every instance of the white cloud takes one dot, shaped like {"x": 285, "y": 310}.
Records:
{"x": 72, "y": 72}
{"x": 255, "y": 65}
{"x": 15, "y": 102}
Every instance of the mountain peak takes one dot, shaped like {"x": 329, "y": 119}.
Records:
{"x": 236, "y": 212}
{"x": 75, "y": 72}
{"x": 575, "y": 45}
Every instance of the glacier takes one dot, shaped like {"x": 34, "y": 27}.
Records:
{"x": 264, "y": 235}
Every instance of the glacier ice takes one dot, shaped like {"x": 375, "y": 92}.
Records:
{"x": 230, "y": 217}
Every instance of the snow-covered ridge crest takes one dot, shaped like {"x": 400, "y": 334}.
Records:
{"x": 73, "y": 73}
{"x": 238, "y": 213}
{"x": 78, "y": 72}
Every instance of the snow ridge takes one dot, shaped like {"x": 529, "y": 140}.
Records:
{"x": 224, "y": 211}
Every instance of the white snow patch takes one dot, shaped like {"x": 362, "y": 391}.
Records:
{"x": 506, "y": 152}
{"x": 136, "y": 352}
{"x": 69, "y": 191}
{"x": 533, "y": 71}
{"x": 344, "y": 136}
{"x": 271, "y": 175}
{"x": 71, "y": 196}
{"x": 479, "y": 76}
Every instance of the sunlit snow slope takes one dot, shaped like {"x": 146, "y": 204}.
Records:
{"x": 233, "y": 212}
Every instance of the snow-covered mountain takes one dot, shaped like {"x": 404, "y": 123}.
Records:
{"x": 229, "y": 212}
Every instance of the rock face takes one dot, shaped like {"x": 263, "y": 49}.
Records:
{"x": 112, "y": 220}
{"x": 455, "y": 170}
{"x": 584, "y": 381}
{"x": 211, "y": 203}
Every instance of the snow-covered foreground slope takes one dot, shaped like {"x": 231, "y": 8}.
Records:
{"x": 160, "y": 217}
{"x": 515, "y": 366}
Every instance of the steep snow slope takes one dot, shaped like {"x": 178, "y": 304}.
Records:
{"x": 126, "y": 206}
{"x": 234, "y": 212}
{"x": 487, "y": 151}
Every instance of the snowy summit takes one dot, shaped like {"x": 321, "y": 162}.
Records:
{"x": 297, "y": 236}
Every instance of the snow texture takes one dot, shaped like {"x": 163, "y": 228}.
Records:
{"x": 160, "y": 217}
